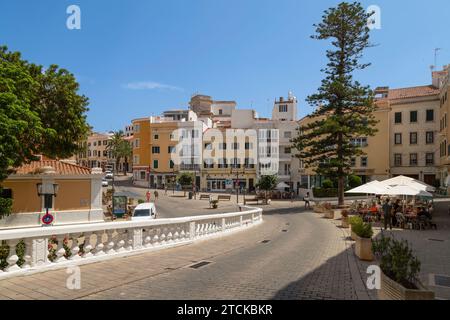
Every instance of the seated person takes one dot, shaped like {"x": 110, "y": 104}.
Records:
{"x": 423, "y": 212}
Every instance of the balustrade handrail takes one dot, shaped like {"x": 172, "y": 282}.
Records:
{"x": 33, "y": 232}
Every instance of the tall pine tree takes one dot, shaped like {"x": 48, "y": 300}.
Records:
{"x": 344, "y": 108}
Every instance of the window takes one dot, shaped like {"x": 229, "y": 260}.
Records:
{"x": 429, "y": 159}
{"x": 142, "y": 174}
{"x": 363, "y": 161}
{"x": 194, "y": 133}
{"x": 288, "y": 134}
{"x": 222, "y": 146}
{"x": 208, "y": 146}
{"x": 353, "y": 162}
{"x": 398, "y": 160}
{"x": 430, "y": 115}
{"x": 208, "y": 163}
{"x": 220, "y": 111}
{"x": 249, "y": 163}
{"x": 398, "y": 138}
{"x": 430, "y": 137}
{"x": 155, "y": 150}
{"x": 171, "y": 149}
{"x": 105, "y": 142}
{"x": 413, "y": 116}
{"x": 135, "y": 159}
{"x": 413, "y": 138}
{"x": 95, "y": 143}
{"x": 222, "y": 163}
{"x": 359, "y": 142}
{"x": 283, "y": 108}
{"x": 287, "y": 150}
{"x": 137, "y": 127}
{"x": 155, "y": 164}
{"x": 171, "y": 164}
{"x": 248, "y": 146}
{"x": 398, "y": 117}
{"x": 413, "y": 159}
{"x": 235, "y": 146}
{"x": 136, "y": 143}
{"x": 235, "y": 163}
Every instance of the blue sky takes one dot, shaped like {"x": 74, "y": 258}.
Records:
{"x": 138, "y": 58}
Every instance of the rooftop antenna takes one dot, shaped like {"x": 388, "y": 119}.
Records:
{"x": 436, "y": 50}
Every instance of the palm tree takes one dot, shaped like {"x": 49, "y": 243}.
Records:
{"x": 115, "y": 144}
{"x": 125, "y": 151}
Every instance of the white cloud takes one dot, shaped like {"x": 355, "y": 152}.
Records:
{"x": 151, "y": 85}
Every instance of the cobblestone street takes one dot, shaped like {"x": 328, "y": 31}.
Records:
{"x": 304, "y": 257}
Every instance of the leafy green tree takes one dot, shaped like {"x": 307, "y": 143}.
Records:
{"x": 354, "y": 181}
{"x": 41, "y": 112}
{"x": 344, "y": 108}
{"x": 120, "y": 148}
{"x": 327, "y": 184}
{"x": 185, "y": 179}
{"x": 267, "y": 183}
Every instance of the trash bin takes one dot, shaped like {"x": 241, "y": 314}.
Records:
{"x": 190, "y": 195}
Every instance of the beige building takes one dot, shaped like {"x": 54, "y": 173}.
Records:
{"x": 78, "y": 199}
{"x": 442, "y": 80}
{"x": 95, "y": 152}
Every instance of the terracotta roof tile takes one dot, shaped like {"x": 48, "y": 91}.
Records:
{"x": 413, "y": 92}
{"x": 62, "y": 168}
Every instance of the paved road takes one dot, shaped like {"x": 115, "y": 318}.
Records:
{"x": 305, "y": 258}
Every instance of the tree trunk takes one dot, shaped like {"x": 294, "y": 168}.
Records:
{"x": 341, "y": 189}
{"x": 125, "y": 166}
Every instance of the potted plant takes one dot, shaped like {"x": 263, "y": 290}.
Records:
{"x": 344, "y": 214}
{"x": 399, "y": 271}
{"x": 214, "y": 204}
{"x": 352, "y": 221}
{"x": 363, "y": 245}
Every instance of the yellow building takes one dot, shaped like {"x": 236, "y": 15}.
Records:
{"x": 78, "y": 198}
{"x": 95, "y": 153}
{"x": 153, "y": 145}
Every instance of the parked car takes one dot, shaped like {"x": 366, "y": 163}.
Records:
{"x": 144, "y": 211}
{"x": 105, "y": 183}
{"x": 109, "y": 175}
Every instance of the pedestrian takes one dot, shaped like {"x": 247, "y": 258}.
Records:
{"x": 148, "y": 195}
{"x": 165, "y": 190}
{"x": 306, "y": 199}
{"x": 387, "y": 214}
{"x": 156, "y": 195}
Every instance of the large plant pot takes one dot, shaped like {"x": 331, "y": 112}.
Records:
{"x": 345, "y": 223}
{"x": 363, "y": 248}
{"x": 329, "y": 214}
{"x": 391, "y": 290}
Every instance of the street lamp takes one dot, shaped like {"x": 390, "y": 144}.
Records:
{"x": 48, "y": 191}
{"x": 237, "y": 181}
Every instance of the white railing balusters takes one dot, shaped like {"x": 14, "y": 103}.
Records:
{"x": 43, "y": 248}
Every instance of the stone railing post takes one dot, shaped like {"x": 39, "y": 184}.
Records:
{"x": 224, "y": 225}
{"x": 240, "y": 220}
{"x": 192, "y": 230}
{"x": 39, "y": 252}
{"x": 137, "y": 238}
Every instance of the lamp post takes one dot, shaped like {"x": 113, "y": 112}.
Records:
{"x": 237, "y": 181}
{"x": 47, "y": 191}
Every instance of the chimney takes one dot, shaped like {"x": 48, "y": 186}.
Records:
{"x": 438, "y": 77}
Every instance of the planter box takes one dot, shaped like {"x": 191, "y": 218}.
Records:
{"x": 391, "y": 290}
{"x": 329, "y": 214}
{"x": 363, "y": 248}
{"x": 318, "y": 209}
{"x": 345, "y": 223}
{"x": 352, "y": 234}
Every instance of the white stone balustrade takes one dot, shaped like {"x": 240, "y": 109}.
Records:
{"x": 86, "y": 243}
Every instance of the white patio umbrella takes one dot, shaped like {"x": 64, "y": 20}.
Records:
{"x": 373, "y": 187}
{"x": 402, "y": 181}
{"x": 406, "y": 190}
{"x": 282, "y": 186}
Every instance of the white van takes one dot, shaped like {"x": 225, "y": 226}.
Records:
{"x": 144, "y": 211}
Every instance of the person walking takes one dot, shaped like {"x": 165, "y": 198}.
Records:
{"x": 165, "y": 190}
{"x": 156, "y": 195}
{"x": 148, "y": 195}
{"x": 387, "y": 208}
{"x": 306, "y": 199}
